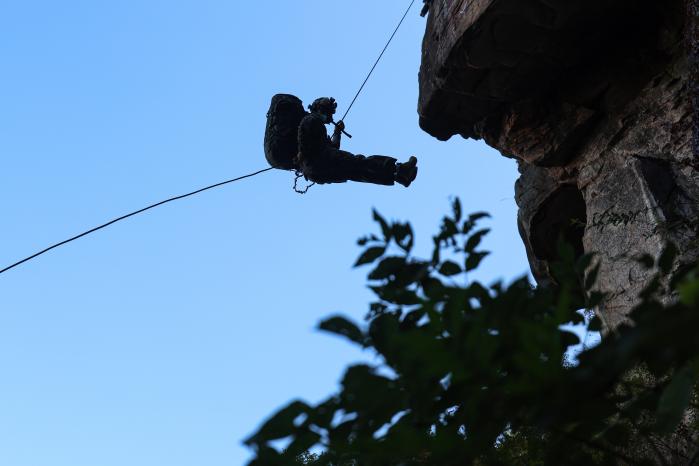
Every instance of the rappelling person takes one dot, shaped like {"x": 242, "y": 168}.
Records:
{"x": 298, "y": 140}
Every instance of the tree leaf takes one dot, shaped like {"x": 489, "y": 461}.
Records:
{"x": 280, "y": 425}
{"x": 474, "y": 260}
{"x": 387, "y": 267}
{"x": 341, "y": 326}
{"x": 675, "y": 399}
{"x": 569, "y": 338}
{"x": 689, "y": 291}
{"x": 433, "y": 288}
{"x": 456, "y": 209}
{"x": 667, "y": 257}
{"x": 449, "y": 229}
{"x": 302, "y": 443}
{"x": 404, "y": 236}
{"x": 474, "y": 217}
{"x": 363, "y": 241}
{"x": 475, "y": 239}
{"x": 449, "y": 269}
{"x": 595, "y": 324}
{"x": 436, "y": 251}
{"x": 584, "y": 262}
{"x": 370, "y": 255}
{"x": 594, "y": 299}
{"x": 646, "y": 260}
{"x": 591, "y": 277}
{"x": 384, "y": 225}
{"x": 395, "y": 295}
{"x": 412, "y": 272}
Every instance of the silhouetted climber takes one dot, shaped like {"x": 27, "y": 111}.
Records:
{"x": 298, "y": 140}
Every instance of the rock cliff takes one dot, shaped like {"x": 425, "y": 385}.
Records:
{"x": 592, "y": 100}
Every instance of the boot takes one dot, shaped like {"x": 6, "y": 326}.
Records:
{"x": 406, "y": 172}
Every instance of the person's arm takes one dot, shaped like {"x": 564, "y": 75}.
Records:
{"x": 337, "y": 134}
{"x": 312, "y": 136}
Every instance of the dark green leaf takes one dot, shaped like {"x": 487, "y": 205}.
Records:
{"x": 363, "y": 241}
{"x": 384, "y": 226}
{"x": 387, "y": 267}
{"x": 436, "y": 254}
{"x": 324, "y": 413}
{"x": 411, "y": 273}
{"x": 449, "y": 229}
{"x": 594, "y": 299}
{"x": 584, "y": 262}
{"x": 478, "y": 291}
{"x": 595, "y": 324}
{"x": 675, "y": 399}
{"x": 569, "y": 338}
{"x": 689, "y": 290}
{"x": 394, "y": 295}
{"x": 651, "y": 288}
{"x": 403, "y": 233}
{"x": 474, "y": 260}
{"x": 370, "y": 255}
{"x": 343, "y": 327}
{"x": 450, "y": 268}
{"x": 667, "y": 258}
{"x": 377, "y": 308}
{"x": 412, "y": 318}
{"x": 303, "y": 442}
{"x": 280, "y": 425}
{"x": 566, "y": 253}
{"x": 475, "y": 239}
{"x": 267, "y": 456}
{"x": 467, "y": 227}
{"x": 646, "y": 260}
{"x": 432, "y": 288}
{"x": 474, "y": 217}
{"x": 591, "y": 277}
{"x": 456, "y": 209}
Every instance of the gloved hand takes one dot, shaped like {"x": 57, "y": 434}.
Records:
{"x": 340, "y": 129}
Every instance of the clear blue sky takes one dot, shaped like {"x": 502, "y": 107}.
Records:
{"x": 166, "y": 339}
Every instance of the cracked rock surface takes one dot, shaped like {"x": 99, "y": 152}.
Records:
{"x": 592, "y": 99}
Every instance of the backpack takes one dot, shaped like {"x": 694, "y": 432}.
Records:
{"x": 283, "y": 119}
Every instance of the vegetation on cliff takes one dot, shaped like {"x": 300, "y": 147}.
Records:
{"x": 474, "y": 374}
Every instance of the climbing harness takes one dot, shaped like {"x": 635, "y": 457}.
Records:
{"x": 182, "y": 196}
{"x": 361, "y": 88}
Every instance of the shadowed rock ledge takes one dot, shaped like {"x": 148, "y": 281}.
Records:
{"x": 592, "y": 99}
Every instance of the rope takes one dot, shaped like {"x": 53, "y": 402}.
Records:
{"x": 378, "y": 59}
{"x": 296, "y": 181}
{"x": 123, "y": 217}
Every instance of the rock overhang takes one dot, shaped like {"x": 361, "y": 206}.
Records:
{"x": 533, "y": 77}
{"x": 593, "y": 100}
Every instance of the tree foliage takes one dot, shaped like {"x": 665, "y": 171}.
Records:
{"x": 475, "y": 374}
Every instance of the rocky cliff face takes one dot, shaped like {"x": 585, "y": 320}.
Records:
{"x": 592, "y": 99}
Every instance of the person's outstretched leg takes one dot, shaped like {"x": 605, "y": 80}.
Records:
{"x": 376, "y": 169}
{"x": 338, "y": 166}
